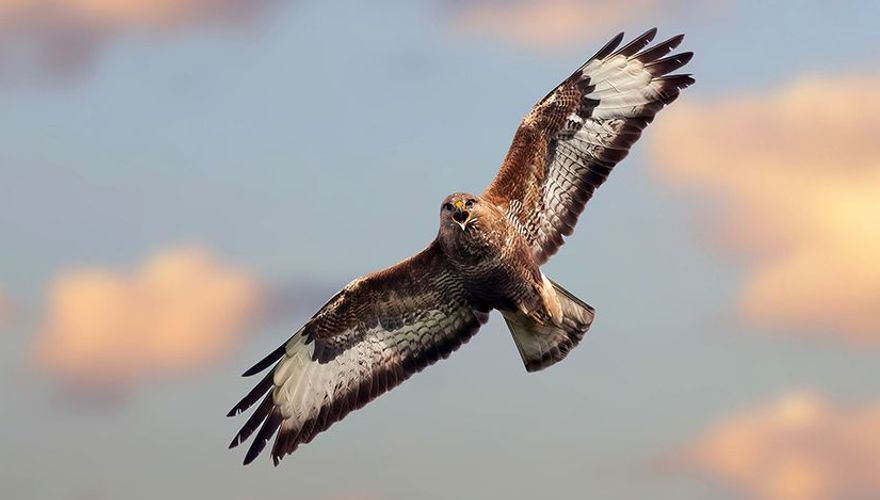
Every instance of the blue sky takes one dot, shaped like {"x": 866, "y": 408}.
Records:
{"x": 314, "y": 143}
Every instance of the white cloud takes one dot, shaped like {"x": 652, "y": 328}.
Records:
{"x": 555, "y": 24}
{"x": 799, "y": 448}
{"x": 181, "y": 310}
{"x": 60, "y": 37}
{"x": 5, "y": 308}
{"x": 795, "y": 176}
{"x": 546, "y": 24}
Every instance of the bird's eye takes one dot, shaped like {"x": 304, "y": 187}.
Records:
{"x": 469, "y": 204}
{"x": 447, "y": 206}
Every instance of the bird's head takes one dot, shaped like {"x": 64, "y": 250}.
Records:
{"x": 459, "y": 211}
{"x": 471, "y": 227}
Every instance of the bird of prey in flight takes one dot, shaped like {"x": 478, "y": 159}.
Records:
{"x": 383, "y": 327}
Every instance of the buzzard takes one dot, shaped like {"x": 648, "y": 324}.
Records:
{"x": 385, "y": 326}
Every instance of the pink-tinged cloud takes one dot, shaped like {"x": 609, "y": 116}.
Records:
{"x": 795, "y": 177}
{"x": 181, "y": 310}
{"x": 551, "y": 24}
{"x": 5, "y": 308}
{"x": 801, "y": 447}
{"x": 60, "y": 37}
{"x": 545, "y": 24}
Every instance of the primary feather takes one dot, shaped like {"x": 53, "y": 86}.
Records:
{"x": 570, "y": 141}
{"x": 370, "y": 337}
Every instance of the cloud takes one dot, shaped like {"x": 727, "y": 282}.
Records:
{"x": 62, "y": 37}
{"x": 182, "y": 309}
{"x": 551, "y": 24}
{"x": 5, "y": 308}
{"x": 799, "y": 448}
{"x": 544, "y": 24}
{"x": 795, "y": 177}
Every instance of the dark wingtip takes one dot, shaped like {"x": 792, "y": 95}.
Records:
{"x": 686, "y": 81}
{"x": 636, "y": 44}
{"x": 270, "y": 425}
{"x": 674, "y": 41}
{"x": 648, "y": 36}
{"x": 686, "y": 57}
{"x": 249, "y": 458}
{"x": 668, "y": 64}
{"x": 680, "y": 81}
{"x": 262, "y": 387}
{"x": 265, "y": 362}
{"x": 258, "y": 417}
{"x": 659, "y": 50}
{"x": 609, "y": 47}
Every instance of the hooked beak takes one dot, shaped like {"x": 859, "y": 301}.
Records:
{"x": 461, "y": 217}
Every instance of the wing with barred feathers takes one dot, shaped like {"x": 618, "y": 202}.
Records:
{"x": 567, "y": 145}
{"x": 370, "y": 337}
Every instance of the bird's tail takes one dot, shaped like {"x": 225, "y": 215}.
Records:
{"x": 542, "y": 345}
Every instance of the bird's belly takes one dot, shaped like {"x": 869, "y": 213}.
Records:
{"x": 500, "y": 286}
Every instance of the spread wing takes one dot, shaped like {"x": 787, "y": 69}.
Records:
{"x": 567, "y": 145}
{"x": 370, "y": 337}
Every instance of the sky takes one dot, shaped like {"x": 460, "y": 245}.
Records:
{"x": 183, "y": 183}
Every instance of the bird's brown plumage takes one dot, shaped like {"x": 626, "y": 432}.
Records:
{"x": 385, "y": 326}
{"x": 370, "y": 337}
{"x": 571, "y": 139}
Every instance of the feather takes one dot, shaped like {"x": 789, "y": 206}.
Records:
{"x": 264, "y": 363}
{"x": 353, "y": 356}
{"x": 568, "y": 144}
{"x": 636, "y": 45}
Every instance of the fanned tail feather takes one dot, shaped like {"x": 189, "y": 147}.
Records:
{"x": 542, "y": 345}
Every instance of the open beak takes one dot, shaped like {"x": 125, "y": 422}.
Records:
{"x": 461, "y": 217}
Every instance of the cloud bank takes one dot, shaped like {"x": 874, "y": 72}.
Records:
{"x": 545, "y": 24}
{"x": 801, "y": 447}
{"x": 182, "y": 309}
{"x": 556, "y": 24}
{"x": 63, "y": 37}
{"x": 795, "y": 176}
{"x": 5, "y": 308}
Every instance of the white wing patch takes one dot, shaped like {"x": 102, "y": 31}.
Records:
{"x": 307, "y": 392}
{"x": 622, "y": 93}
{"x": 303, "y": 386}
